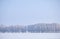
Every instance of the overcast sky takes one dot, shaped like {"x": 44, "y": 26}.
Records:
{"x": 25, "y": 12}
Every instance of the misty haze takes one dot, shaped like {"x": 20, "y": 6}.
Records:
{"x": 29, "y": 19}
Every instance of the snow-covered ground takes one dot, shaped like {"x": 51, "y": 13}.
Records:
{"x": 29, "y": 35}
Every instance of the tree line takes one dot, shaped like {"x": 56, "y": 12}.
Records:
{"x": 36, "y": 28}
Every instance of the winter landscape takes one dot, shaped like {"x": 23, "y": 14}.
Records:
{"x": 29, "y": 19}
